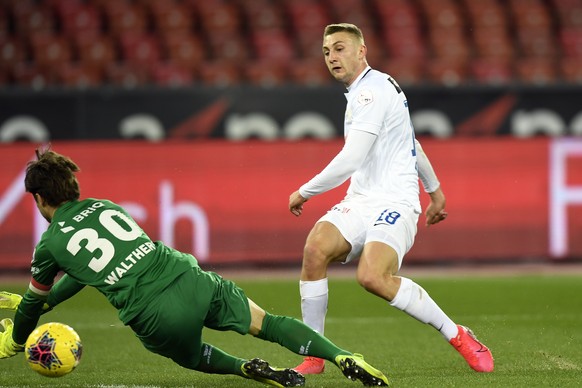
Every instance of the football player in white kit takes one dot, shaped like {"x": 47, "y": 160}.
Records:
{"x": 377, "y": 220}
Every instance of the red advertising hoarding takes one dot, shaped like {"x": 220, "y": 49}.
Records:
{"x": 227, "y": 202}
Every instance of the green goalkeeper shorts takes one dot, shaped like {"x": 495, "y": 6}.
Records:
{"x": 172, "y": 325}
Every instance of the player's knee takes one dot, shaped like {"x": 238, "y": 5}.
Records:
{"x": 314, "y": 256}
{"x": 368, "y": 280}
{"x": 374, "y": 282}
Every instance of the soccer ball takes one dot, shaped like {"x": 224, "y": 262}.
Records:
{"x": 53, "y": 349}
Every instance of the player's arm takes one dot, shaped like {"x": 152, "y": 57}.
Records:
{"x": 345, "y": 163}
{"x": 63, "y": 289}
{"x": 435, "y": 212}
{"x": 28, "y": 311}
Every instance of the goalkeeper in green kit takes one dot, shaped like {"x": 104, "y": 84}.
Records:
{"x": 161, "y": 293}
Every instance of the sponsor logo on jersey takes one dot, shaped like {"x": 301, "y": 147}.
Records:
{"x": 365, "y": 97}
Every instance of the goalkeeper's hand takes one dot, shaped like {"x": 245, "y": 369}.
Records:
{"x": 8, "y": 347}
{"x": 9, "y": 301}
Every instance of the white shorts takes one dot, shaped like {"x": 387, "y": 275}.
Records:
{"x": 360, "y": 221}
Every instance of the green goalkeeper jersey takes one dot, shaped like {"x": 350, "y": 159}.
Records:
{"x": 97, "y": 243}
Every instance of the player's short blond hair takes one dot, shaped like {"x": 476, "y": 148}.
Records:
{"x": 344, "y": 27}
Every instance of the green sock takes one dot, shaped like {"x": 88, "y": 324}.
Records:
{"x": 298, "y": 337}
{"x": 214, "y": 360}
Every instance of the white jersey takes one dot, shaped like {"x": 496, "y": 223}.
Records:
{"x": 388, "y": 173}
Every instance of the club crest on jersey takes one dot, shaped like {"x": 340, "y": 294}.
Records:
{"x": 365, "y": 97}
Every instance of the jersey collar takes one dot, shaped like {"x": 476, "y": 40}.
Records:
{"x": 362, "y": 75}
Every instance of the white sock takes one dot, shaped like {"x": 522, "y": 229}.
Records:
{"x": 415, "y": 301}
{"x": 314, "y": 303}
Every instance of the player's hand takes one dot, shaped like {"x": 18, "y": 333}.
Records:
{"x": 8, "y": 347}
{"x": 9, "y": 301}
{"x": 435, "y": 212}
{"x": 296, "y": 202}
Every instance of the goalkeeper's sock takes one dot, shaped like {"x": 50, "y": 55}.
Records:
{"x": 416, "y": 302}
{"x": 214, "y": 360}
{"x": 298, "y": 337}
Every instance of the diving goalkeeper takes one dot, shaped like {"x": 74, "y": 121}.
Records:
{"x": 161, "y": 293}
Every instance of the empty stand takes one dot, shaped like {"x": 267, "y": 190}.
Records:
{"x": 169, "y": 74}
{"x": 126, "y": 75}
{"x": 220, "y": 74}
{"x": 185, "y": 50}
{"x": 96, "y": 51}
{"x": 537, "y": 71}
{"x": 310, "y": 72}
{"x": 79, "y": 76}
{"x": 274, "y": 42}
{"x": 266, "y": 73}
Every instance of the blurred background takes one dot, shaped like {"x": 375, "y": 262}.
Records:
{"x": 91, "y": 43}
{"x": 202, "y": 116}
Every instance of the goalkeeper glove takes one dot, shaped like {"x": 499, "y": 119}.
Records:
{"x": 8, "y": 347}
{"x": 9, "y": 301}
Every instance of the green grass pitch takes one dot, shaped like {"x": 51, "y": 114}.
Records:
{"x": 533, "y": 324}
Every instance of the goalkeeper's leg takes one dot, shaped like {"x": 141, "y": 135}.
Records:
{"x": 298, "y": 337}
{"x": 301, "y": 339}
{"x": 214, "y": 360}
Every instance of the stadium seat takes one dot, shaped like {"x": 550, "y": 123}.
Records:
{"x": 95, "y": 51}
{"x": 443, "y": 14}
{"x": 396, "y": 14}
{"x": 569, "y": 13}
{"x": 493, "y": 43}
{"x": 5, "y": 28}
{"x": 185, "y": 50}
{"x": 309, "y": 43}
{"x": 447, "y": 72}
{"x": 140, "y": 49}
{"x": 12, "y": 52}
{"x": 485, "y": 14}
{"x": 31, "y": 76}
{"x": 404, "y": 43}
{"x": 125, "y": 18}
{"x": 405, "y": 71}
{"x": 531, "y": 14}
{"x": 264, "y": 15}
{"x": 356, "y": 11}
{"x": 449, "y": 43}
{"x": 491, "y": 71}
{"x": 50, "y": 51}
{"x": 127, "y": 75}
{"x": 168, "y": 74}
{"x": 376, "y": 49}
{"x": 307, "y": 15}
{"x": 266, "y": 73}
{"x": 219, "y": 18}
{"x": 272, "y": 46}
{"x": 571, "y": 70}
{"x": 537, "y": 71}
{"x": 31, "y": 19}
{"x": 80, "y": 18}
{"x": 79, "y": 76}
{"x": 229, "y": 47}
{"x": 310, "y": 72}
{"x": 220, "y": 74}
{"x": 539, "y": 43}
{"x": 571, "y": 42}
{"x": 172, "y": 18}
